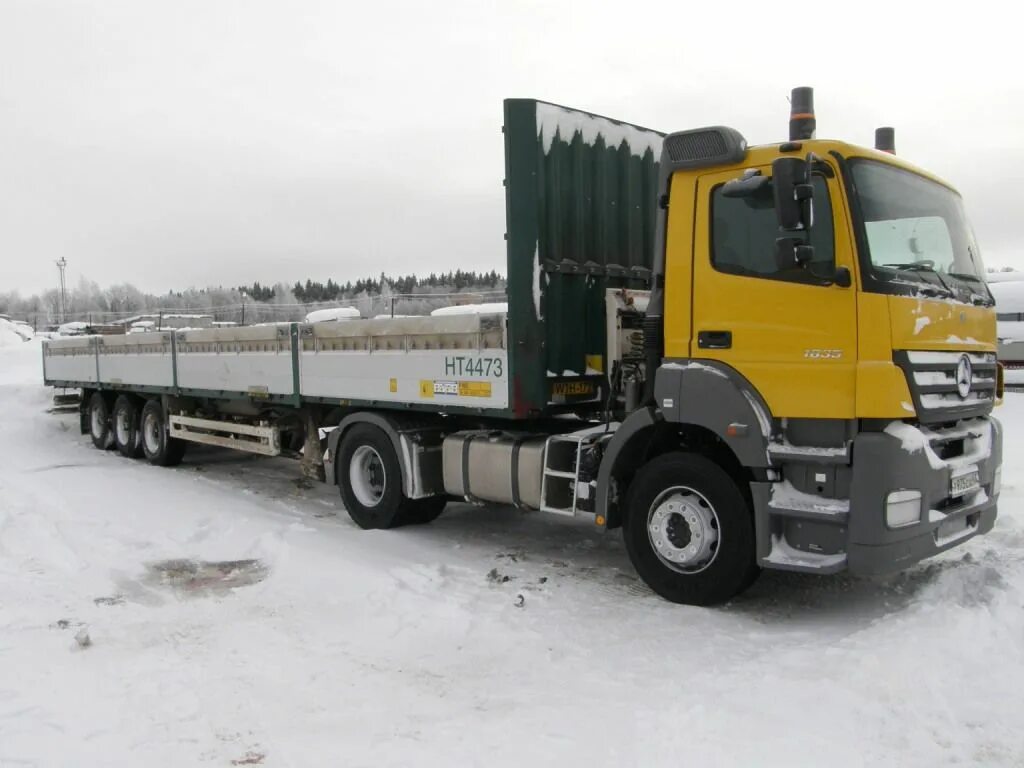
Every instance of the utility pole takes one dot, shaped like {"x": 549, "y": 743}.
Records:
{"x": 62, "y": 264}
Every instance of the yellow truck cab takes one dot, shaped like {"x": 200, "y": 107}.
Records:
{"x": 819, "y": 317}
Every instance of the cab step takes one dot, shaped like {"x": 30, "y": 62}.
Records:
{"x": 784, "y": 557}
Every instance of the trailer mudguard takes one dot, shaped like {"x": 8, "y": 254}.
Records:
{"x": 417, "y": 445}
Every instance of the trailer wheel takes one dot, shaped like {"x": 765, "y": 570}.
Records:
{"x": 370, "y": 480}
{"x": 160, "y": 448}
{"x": 689, "y": 530}
{"x": 99, "y": 422}
{"x": 127, "y": 434}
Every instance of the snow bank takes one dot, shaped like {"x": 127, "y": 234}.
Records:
{"x": 74, "y": 328}
{"x": 13, "y": 333}
{"x": 472, "y": 309}
{"x": 8, "y": 336}
{"x": 336, "y": 314}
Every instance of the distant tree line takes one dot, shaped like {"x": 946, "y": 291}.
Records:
{"x": 252, "y": 303}
{"x": 316, "y": 291}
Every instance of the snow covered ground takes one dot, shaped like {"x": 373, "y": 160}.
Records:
{"x": 12, "y": 334}
{"x": 488, "y": 638}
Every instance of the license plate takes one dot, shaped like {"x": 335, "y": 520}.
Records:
{"x": 964, "y": 484}
{"x": 573, "y": 388}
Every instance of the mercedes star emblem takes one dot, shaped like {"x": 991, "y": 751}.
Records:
{"x": 963, "y": 377}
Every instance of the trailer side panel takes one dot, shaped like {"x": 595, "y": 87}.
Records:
{"x": 581, "y": 195}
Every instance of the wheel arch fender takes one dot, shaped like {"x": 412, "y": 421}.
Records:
{"x": 389, "y": 426}
{"x": 717, "y": 397}
{"x": 625, "y": 453}
{"x": 697, "y": 405}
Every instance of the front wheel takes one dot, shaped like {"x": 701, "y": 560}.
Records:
{"x": 689, "y": 530}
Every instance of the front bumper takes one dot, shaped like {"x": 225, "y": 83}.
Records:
{"x": 798, "y": 531}
{"x": 903, "y": 457}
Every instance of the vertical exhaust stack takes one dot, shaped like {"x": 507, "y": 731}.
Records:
{"x": 802, "y": 123}
{"x": 885, "y": 140}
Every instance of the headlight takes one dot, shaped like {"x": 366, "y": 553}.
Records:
{"x": 902, "y": 508}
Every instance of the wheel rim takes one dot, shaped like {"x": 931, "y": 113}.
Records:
{"x": 123, "y": 426}
{"x": 151, "y": 434}
{"x": 98, "y": 422}
{"x": 684, "y": 530}
{"x": 367, "y": 476}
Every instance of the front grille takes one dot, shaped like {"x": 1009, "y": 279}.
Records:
{"x": 932, "y": 378}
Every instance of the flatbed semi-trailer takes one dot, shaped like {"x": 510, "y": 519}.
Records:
{"x": 747, "y": 357}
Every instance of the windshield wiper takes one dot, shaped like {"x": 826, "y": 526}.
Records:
{"x": 924, "y": 267}
{"x": 965, "y": 276}
{"x": 979, "y": 299}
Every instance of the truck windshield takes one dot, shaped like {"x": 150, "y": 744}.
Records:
{"x": 917, "y": 234}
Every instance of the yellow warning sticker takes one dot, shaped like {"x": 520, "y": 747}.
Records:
{"x": 475, "y": 388}
{"x": 393, "y": 385}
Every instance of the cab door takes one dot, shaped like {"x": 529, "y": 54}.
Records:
{"x": 791, "y": 332}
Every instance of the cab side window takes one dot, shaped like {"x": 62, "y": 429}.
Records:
{"x": 744, "y": 230}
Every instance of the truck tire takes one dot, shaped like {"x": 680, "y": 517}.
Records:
{"x": 99, "y": 422}
{"x": 423, "y": 511}
{"x": 689, "y": 530}
{"x": 370, "y": 480}
{"x": 160, "y": 448}
{"x": 127, "y": 434}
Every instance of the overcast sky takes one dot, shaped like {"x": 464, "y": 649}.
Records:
{"x": 203, "y": 142}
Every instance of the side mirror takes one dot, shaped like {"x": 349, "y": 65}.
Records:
{"x": 791, "y": 183}
{"x": 793, "y": 252}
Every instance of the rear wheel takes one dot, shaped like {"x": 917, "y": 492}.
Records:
{"x": 370, "y": 481}
{"x": 127, "y": 434}
{"x": 689, "y": 530}
{"x": 423, "y": 511}
{"x": 160, "y": 448}
{"x": 99, "y": 422}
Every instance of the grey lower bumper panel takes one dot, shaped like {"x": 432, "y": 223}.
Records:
{"x": 825, "y": 538}
{"x": 874, "y": 560}
{"x": 886, "y": 462}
